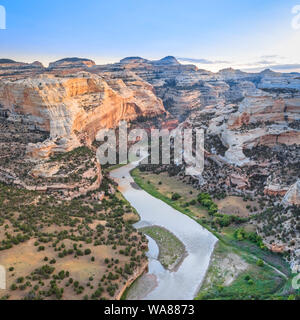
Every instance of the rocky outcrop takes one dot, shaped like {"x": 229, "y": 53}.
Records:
{"x": 279, "y": 82}
{"x": 277, "y": 248}
{"x": 138, "y": 272}
{"x": 44, "y": 149}
{"x": 259, "y": 120}
{"x": 292, "y": 197}
{"x": 240, "y": 181}
{"x": 265, "y": 109}
{"x": 275, "y": 190}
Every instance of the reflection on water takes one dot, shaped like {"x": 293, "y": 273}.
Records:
{"x": 155, "y": 267}
{"x": 199, "y": 243}
{"x": 149, "y": 281}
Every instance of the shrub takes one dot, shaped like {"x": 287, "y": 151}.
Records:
{"x": 224, "y": 221}
{"x": 176, "y": 196}
{"x": 87, "y": 251}
{"x": 250, "y": 282}
{"x": 240, "y": 234}
{"x": 260, "y": 263}
{"x": 13, "y": 287}
{"x": 20, "y": 280}
{"x": 79, "y": 252}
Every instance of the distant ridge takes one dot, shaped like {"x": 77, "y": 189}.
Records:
{"x": 168, "y": 61}
{"x": 74, "y": 61}
{"x": 134, "y": 60}
{"x": 7, "y": 61}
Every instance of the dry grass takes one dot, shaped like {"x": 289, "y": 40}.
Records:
{"x": 170, "y": 185}
{"x": 234, "y": 205}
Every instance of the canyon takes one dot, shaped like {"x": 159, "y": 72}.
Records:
{"x": 251, "y": 123}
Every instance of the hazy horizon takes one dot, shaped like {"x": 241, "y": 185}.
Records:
{"x": 99, "y": 61}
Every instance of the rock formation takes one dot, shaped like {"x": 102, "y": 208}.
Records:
{"x": 73, "y": 108}
{"x": 292, "y": 197}
{"x": 70, "y": 63}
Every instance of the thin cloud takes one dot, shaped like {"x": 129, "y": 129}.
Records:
{"x": 295, "y": 67}
{"x": 202, "y": 61}
{"x": 265, "y": 62}
{"x": 261, "y": 62}
{"x": 270, "y": 56}
{"x": 286, "y": 66}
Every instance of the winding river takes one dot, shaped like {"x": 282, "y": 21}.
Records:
{"x": 184, "y": 283}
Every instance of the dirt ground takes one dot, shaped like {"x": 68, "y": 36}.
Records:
{"x": 170, "y": 185}
{"x": 25, "y": 258}
{"x": 233, "y": 205}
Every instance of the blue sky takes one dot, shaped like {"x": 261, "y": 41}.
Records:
{"x": 247, "y": 34}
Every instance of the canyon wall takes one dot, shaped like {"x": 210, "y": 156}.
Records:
{"x": 74, "y": 108}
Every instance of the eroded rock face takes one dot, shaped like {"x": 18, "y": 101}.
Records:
{"x": 292, "y": 197}
{"x": 184, "y": 88}
{"x": 243, "y": 110}
{"x": 73, "y": 108}
{"x": 259, "y": 120}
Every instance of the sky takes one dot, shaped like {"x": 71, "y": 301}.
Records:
{"x": 251, "y": 35}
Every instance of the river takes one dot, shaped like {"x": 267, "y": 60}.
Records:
{"x": 184, "y": 283}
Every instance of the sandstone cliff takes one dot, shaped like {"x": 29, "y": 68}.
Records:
{"x": 73, "y": 108}
{"x": 184, "y": 88}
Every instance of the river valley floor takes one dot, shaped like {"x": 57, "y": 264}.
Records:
{"x": 237, "y": 270}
